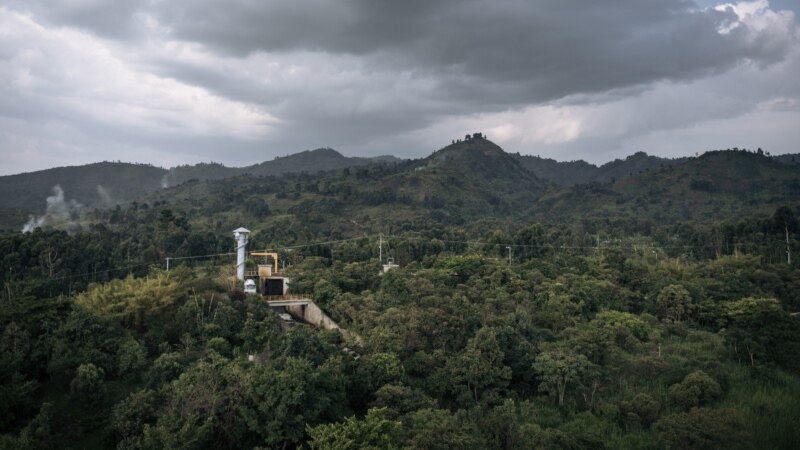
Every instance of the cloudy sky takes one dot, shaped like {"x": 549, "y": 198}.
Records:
{"x": 242, "y": 81}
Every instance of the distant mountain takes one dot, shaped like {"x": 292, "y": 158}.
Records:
{"x": 638, "y": 163}
{"x": 463, "y": 182}
{"x": 106, "y": 184}
{"x": 792, "y": 158}
{"x": 561, "y": 173}
{"x": 475, "y": 180}
{"x": 480, "y": 159}
{"x": 716, "y": 185}
{"x": 310, "y": 161}
{"x": 580, "y": 172}
{"x": 469, "y": 180}
{"x": 487, "y": 170}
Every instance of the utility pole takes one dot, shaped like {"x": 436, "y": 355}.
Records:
{"x": 167, "y": 263}
{"x": 508, "y": 247}
{"x": 380, "y": 248}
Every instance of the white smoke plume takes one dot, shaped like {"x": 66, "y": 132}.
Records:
{"x": 59, "y": 212}
{"x": 105, "y": 197}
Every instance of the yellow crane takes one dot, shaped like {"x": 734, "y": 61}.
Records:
{"x": 268, "y": 254}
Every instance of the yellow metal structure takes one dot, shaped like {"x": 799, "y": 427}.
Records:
{"x": 265, "y": 254}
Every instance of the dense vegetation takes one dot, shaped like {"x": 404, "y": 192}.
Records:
{"x": 500, "y": 329}
{"x": 105, "y": 184}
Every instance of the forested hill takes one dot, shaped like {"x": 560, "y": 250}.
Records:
{"x": 482, "y": 160}
{"x": 311, "y": 161}
{"x": 483, "y": 169}
{"x": 570, "y": 173}
{"x": 106, "y": 184}
{"x": 473, "y": 180}
{"x": 655, "y": 312}
{"x": 580, "y": 172}
{"x": 716, "y": 185}
{"x": 98, "y": 184}
{"x": 462, "y": 182}
{"x": 467, "y": 180}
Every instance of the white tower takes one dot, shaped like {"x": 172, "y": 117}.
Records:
{"x": 240, "y": 234}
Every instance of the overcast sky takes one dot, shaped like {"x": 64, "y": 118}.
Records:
{"x": 241, "y": 81}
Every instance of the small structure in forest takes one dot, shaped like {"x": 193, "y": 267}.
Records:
{"x": 241, "y": 234}
{"x": 271, "y": 282}
{"x": 390, "y": 264}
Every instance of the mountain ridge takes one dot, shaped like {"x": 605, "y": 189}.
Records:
{"x": 570, "y": 173}
{"x": 105, "y": 184}
{"x": 473, "y": 177}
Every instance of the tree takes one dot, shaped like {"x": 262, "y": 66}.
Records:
{"x": 643, "y": 408}
{"x": 558, "y": 368}
{"x": 510, "y": 426}
{"x": 439, "y": 429}
{"x": 627, "y": 330}
{"x": 174, "y": 433}
{"x": 87, "y": 386}
{"x": 761, "y": 326}
{"x": 165, "y": 368}
{"x": 129, "y": 416}
{"x": 16, "y": 390}
{"x": 696, "y": 389}
{"x": 203, "y": 406}
{"x": 784, "y": 219}
{"x": 133, "y": 301}
{"x": 401, "y": 399}
{"x": 39, "y": 434}
{"x": 257, "y": 207}
{"x": 131, "y": 357}
{"x": 260, "y": 333}
{"x": 373, "y": 432}
{"x": 377, "y": 369}
{"x": 704, "y": 428}
{"x": 82, "y": 338}
{"x": 281, "y": 401}
{"x": 674, "y": 303}
{"x": 480, "y": 367}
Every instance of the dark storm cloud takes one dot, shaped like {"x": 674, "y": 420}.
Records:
{"x": 482, "y": 51}
{"x": 507, "y": 52}
{"x": 118, "y": 19}
{"x": 338, "y": 26}
{"x": 371, "y": 76}
{"x": 475, "y": 55}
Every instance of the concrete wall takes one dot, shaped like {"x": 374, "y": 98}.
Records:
{"x": 312, "y": 314}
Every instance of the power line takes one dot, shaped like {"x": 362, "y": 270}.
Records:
{"x": 175, "y": 258}
{"x": 380, "y": 237}
{"x": 314, "y": 244}
{"x": 577, "y": 247}
{"x": 87, "y": 274}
